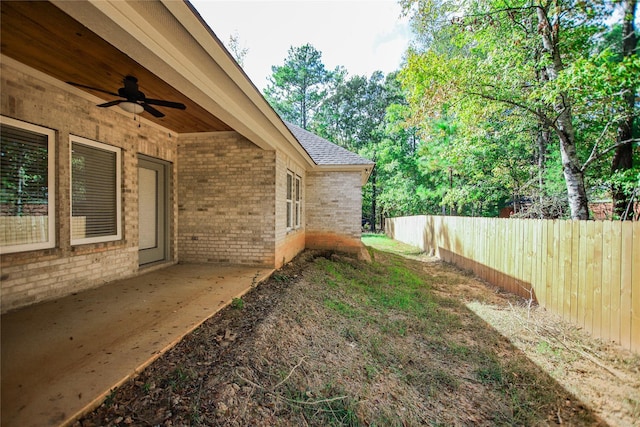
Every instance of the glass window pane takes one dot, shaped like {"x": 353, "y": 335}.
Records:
{"x": 289, "y": 186}
{"x": 94, "y": 192}
{"x": 24, "y": 187}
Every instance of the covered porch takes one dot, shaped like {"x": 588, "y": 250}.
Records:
{"x": 62, "y": 357}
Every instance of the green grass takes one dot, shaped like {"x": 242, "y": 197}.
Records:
{"x": 237, "y": 303}
{"x": 329, "y": 406}
{"x": 388, "y": 307}
{"x": 383, "y": 243}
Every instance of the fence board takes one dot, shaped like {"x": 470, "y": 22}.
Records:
{"x": 588, "y": 268}
{"x": 485, "y": 247}
{"x": 550, "y": 260}
{"x": 586, "y": 271}
{"x": 597, "y": 262}
{"x": 616, "y": 259}
{"x": 565, "y": 269}
{"x": 558, "y": 269}
{"x": 517, "y": 256}
{"x": 516, "y": 250}
{"x": 635, "y": 290}
{"x": 582, "y": 275}
{"x": 541, "y": 291}
{"x": 607, "y": 249}
{"x": 626, "y": 259}
{"x": 501, "y": 255}
{"x": 528, "y": 266}
{"x": 575, "y": 268}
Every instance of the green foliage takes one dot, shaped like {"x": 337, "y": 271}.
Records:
{"x": 298, "y": 87}
{"x": 237, "y": 303}
{"x": 483, "y": 113}
{"x": 496, "y": 83}
{"x": 238, "y": 51}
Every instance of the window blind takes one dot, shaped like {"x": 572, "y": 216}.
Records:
{"x": 94, "y": 192}
{"x": 24, "y": 187}
{"x": 24, "y": 170}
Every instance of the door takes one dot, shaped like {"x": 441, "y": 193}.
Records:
{"x": 152, "y": 210}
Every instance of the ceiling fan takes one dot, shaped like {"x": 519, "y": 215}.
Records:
{"x": 134, "y": 101}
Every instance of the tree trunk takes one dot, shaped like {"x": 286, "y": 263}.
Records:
{"x": 543, "y": 139}
{"x": 563, "y": 126}
{"x": 623, "y": 156}
{"x": 373, "y": 200}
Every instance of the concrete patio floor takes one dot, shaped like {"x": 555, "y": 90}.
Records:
{"x": 61, "y": 358}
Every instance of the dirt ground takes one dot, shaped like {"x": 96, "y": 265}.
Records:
{"x": 314, "y": 346}
{"x": 604, "y": 376}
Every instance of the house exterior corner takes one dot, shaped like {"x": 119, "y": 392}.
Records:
{"x": 334, "y": 207}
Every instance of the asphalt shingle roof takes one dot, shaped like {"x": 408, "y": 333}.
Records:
{"x": 325, "y": 152}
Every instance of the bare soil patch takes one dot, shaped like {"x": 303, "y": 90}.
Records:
{"x": 405, "y": 340}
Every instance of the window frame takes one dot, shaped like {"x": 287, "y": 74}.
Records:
{"x": 74, "y": 139}
{"x": 297, "y": 202}
{"x": 289, "y": 183}
{"x": 51, "y": 186}
{"x": 293, "y": 196}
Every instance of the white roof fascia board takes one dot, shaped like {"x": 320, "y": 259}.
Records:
{"x": 186, "y": 14}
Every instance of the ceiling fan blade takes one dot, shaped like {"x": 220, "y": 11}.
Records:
{"x": 164, "y": 103}
{"x": 110, "y": 103}
{"x": 93, "y": 88}
{"x": 149, "y": 109}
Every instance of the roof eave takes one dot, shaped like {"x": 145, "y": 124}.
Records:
{"x": 212, "y": 78}
{"x": 364, "y": 169}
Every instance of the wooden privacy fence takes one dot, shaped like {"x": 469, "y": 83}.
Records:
{"x": 588, "y": 272}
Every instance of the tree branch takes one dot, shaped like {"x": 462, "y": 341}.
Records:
{"x": 607, "y": 150}
{"x": 541, "y": 116}
{"x": 593, "y": 156}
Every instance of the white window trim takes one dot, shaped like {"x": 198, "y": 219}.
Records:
{"x": 297, "y": 202}
{"x": 294, "y": 205}
{"x": 117, "y": 151}
{"x": 51, "y": 186}
{"x": 289, "y": 201}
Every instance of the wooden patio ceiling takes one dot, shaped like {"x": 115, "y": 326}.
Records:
{"x": 40, "y": 35}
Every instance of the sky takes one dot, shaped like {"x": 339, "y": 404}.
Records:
{"x": 361, "y": 35}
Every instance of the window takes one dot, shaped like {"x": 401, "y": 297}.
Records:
{"x": 95, "y": 192}
{"x": 27, "y": 186}
{"x": 289, "y": 200}
{"x": 297, "y": 202}
{"x": 293, "y": 201}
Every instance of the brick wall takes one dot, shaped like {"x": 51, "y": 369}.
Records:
{"x": 334, "y": 210}
{"x": 226, "y": 210}
{"x": 289, "y": 242}
{"x": 34, "y": 276}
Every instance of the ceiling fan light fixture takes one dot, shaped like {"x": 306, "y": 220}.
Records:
{"x": 131, "y": 107}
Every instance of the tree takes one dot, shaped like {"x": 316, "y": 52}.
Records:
{"x": 297, "y": 88}
{"x": 354, "y": 117}
{"x": 623, "y": 156}
{"x": 404, "y": 188}
{"x": 239, "y": 52}
{"x": 515, "y": 60}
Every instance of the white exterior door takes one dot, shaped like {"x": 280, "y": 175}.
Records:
{"x": 152, "y": 211}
